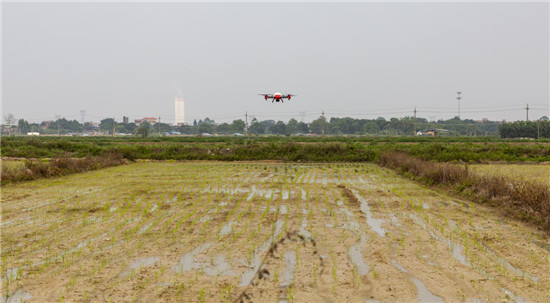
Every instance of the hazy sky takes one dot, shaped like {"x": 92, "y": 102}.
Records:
{"x": 362, "y": 60}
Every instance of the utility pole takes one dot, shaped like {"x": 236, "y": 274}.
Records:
{"x": 458, "y": 97}
{"x": 527, "y": 112}
{"x": 415, "y": 121}
{"x": 159, "y": 126}
{"x": 246, "y": 123}
{"x": 538, "y": 129}
{"x": 57, "y": 116}
{"x": 82, "y": 115}
{"x": 113, "y": 127}
{"x": 323, "y": 120}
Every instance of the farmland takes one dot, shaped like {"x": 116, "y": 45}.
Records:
{"x": 540, "y": 172}
{"x": 276, "y": 232}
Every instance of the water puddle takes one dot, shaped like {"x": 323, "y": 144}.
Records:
{"x": 145, "y": 228}
{"x": 423, "y": 294}
{"x": 303, "y": 231}
{"x": 285, "y": 194}
{"x": 375, "y": 224}
{"x": 394, "y": 220}
{"x": 187, "y": 262}
{"x": 354, "y": 252}
{"x": 226, "y": 229}
{"x": 204, "y": 218}
{"x": 509, "y": 266}
{"x": 303, "y": 194}
{"x": 248, "y": 275}
{"x": 219, "y": 266}
{"x": 19, "y": 296}
{"x": 139, "y": 263}
{"x": 457, "y": 250}
{"x": 283, "y": 210}
{"x": 288, "y": 274}
{"x": 398, "y": 266}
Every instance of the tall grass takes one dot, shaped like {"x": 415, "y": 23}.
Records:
{"x": 59, "y": 166}
{"x": 531, "y": 198}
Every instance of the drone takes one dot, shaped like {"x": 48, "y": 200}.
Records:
{"x": 277, "y": 97}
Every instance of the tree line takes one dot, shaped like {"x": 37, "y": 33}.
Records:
{"x": 319, "y": 126}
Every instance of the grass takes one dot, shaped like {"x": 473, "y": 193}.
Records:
{"x": 14, "y": 171}
{"x": 540, "y": 173}
{"x": 528, "y": 196}
{"x": 303, "y": 149}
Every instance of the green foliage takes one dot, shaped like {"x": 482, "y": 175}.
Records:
{"x": 294, "y": 148}
{"x": 525, "y": 129}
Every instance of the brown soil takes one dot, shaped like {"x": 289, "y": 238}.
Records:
{"x": 190, "y": 232}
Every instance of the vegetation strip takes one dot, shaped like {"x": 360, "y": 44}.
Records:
{"x": 35, "y": 169}
{"x": 532, "y": 198}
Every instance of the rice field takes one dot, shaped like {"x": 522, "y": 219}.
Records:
{"x": 539, "y": 172}
{"x": 260, "y": 232}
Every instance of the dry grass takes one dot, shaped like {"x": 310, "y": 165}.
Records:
{"x": 35, "y": 169}
{"x": 531, "y": 197}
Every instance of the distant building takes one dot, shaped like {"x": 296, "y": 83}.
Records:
{"x": 125, "y": 120}
{"x": 150, "y": 120}
{"x": 179, "y": 111}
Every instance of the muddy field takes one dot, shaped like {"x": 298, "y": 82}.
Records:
{"x": 201, "y": 231}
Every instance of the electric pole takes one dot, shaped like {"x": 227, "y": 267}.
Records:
{"x": 246, "y": 123}
{"x": 323, "y": 120}
{"x": 527, "y": 112}
{"x": 57, "y": 116}
{"x": 538, "y": 129}
{"x": 82, "y": 115}
{"x": 458, "y": 97}
{"x": 113, "y": 127}
{"x": 415, "y": 121}
{"x": 159, "y": 126}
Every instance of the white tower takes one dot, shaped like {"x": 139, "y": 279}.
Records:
{"x": 179, "y": 111}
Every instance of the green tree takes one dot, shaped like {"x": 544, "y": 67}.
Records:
{"x": 279, "y": 128}
{"x": 371, "y": 128}
{"x": 143, "y": 129}
{"x": 257, "y": 128}
{"x": 23, "y": 126}
{"x": 238, "y": 126}
{"x": 291, "y": 127}
{"x": 316, "y": 126}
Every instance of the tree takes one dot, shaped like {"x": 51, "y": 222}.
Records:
{"x": 23, "y": 126}
{"x": 106, "y": 125}
{"x": 238, "y": 126}
{"x": 257, "y": 128}
{"x": 292, "y": 126}
{"x": 303, "y": 127}
{"x": 316, "y": 126}
{"x": 224, "y": 128}
{"x": 371, "y": 128}
{"x": 279, "y": 128}
{"x": 10, "y": 119}
{"x": 143, "y": 129}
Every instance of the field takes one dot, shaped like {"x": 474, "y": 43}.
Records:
{"x": 263, "y": 232}
{"x": 540, "y": 172}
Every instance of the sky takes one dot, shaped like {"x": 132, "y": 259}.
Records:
{"x": 361, "y": 60}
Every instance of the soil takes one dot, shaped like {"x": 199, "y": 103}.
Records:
{"x": 196, "y": 231}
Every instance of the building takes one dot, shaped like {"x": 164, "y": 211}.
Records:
{"x": 125, "y": 120}
{"x": 150, "y": 120}
{"x": 179, "y": 111}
